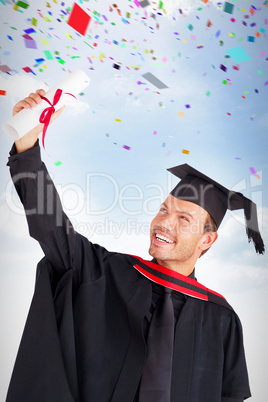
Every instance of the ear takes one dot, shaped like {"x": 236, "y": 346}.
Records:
{"x": 207, "y": 240}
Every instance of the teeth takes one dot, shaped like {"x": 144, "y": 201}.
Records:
{"x": 163, "y": 238}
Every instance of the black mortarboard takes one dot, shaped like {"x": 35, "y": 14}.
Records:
{"x": 216, "y": 199}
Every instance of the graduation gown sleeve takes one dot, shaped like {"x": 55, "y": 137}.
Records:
{"x": 47, "y": 222}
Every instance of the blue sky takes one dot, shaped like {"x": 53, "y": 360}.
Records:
{"x": 111, "y": 193}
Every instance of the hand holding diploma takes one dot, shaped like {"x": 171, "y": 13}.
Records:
{"x": 30, "y": 113}
{"x": 29, "y": 139}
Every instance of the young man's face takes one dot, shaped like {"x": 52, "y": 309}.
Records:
{"x": 177, "y": 233}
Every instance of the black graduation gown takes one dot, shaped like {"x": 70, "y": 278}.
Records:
{"x": 83, "y": 340}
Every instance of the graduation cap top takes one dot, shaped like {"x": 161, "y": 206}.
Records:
{"x": 216, "y": 199}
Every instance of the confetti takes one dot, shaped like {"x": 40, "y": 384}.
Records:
{"x": 251, "y": 39}
{"x": 29, "y": 42}
{"x": 228, "y": 8}
{"x": 181, "y": 114}
{"x": 2, "y": 92}
{"x": 126, "y": 147}
{"x": 238, "y": 54}
{"x": 23, "y": 4}
{"x": 253, "y": 171}
{"x": 144, "y": 3}
{"x": 48, "y": 55}
{"x": 79, "y": 19}
{"x": 155, "y": 81}
{"x": 28, "y": 70}
{"x": 118, "y": 120}
{"x": 185, "y": 151}
{"x": 58, "y": 163}
{"x": 44, "y": 41}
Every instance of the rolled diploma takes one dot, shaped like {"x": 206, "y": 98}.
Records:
{"x": 27, "y": 119}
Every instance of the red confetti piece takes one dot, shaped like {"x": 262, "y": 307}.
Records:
{"x": 79, "y": 19}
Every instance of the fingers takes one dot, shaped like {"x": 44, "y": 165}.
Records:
{"x": 30, "y": 101}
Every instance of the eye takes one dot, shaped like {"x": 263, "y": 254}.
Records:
{"x": 184, "y": 218}
{"x": 162, "y": 209}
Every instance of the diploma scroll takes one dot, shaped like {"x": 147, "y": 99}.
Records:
{"x": 24, "y": 121}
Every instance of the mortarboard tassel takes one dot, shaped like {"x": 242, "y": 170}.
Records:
{"x": 252, "y": 228}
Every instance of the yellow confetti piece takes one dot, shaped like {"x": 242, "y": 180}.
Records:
{"x": 15, "y": 7}
{"x": 119, "y": 120}
{"x": 102, "y": 56}
{"x": 44, "y": 41}
{"x": 68, "y": 35}
{"x": 184, "y": 40}
{"x": 181, "y": 114}
{"x": 185, "y": 151}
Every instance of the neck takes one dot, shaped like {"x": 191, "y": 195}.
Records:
{"x": 181, "y": 268}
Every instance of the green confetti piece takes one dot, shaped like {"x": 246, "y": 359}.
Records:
{"x": 22, "y": 4}
{"x": 160, "y": 5}
{"x": 89, "y": 45}
{"x": 48, "y": 55}
{"x": 34, "y": 22}
{"x": 208, "y": 93}
{"x": 61, "y": 61}
{"x": 260, "y": 72}
{"x": 58, "y": 163}
{"x": 224, "y": 82}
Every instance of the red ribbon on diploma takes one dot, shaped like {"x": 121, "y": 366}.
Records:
{"x": 48, "y": 112}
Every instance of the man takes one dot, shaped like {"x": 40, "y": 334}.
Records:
{"x": 111, "y": 327}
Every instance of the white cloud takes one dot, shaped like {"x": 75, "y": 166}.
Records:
{"x": 19, "y": 86}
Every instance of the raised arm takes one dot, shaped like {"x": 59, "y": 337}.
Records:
{"x": 28, "y": 140}
{"x": 46, "y": 220}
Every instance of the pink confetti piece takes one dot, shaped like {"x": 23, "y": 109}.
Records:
{"x": 253, "y": 171}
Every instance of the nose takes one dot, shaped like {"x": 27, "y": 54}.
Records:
{"x": 170, "y": 222}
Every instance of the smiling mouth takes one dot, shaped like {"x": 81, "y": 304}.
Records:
{"x": 163, "y": 239}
